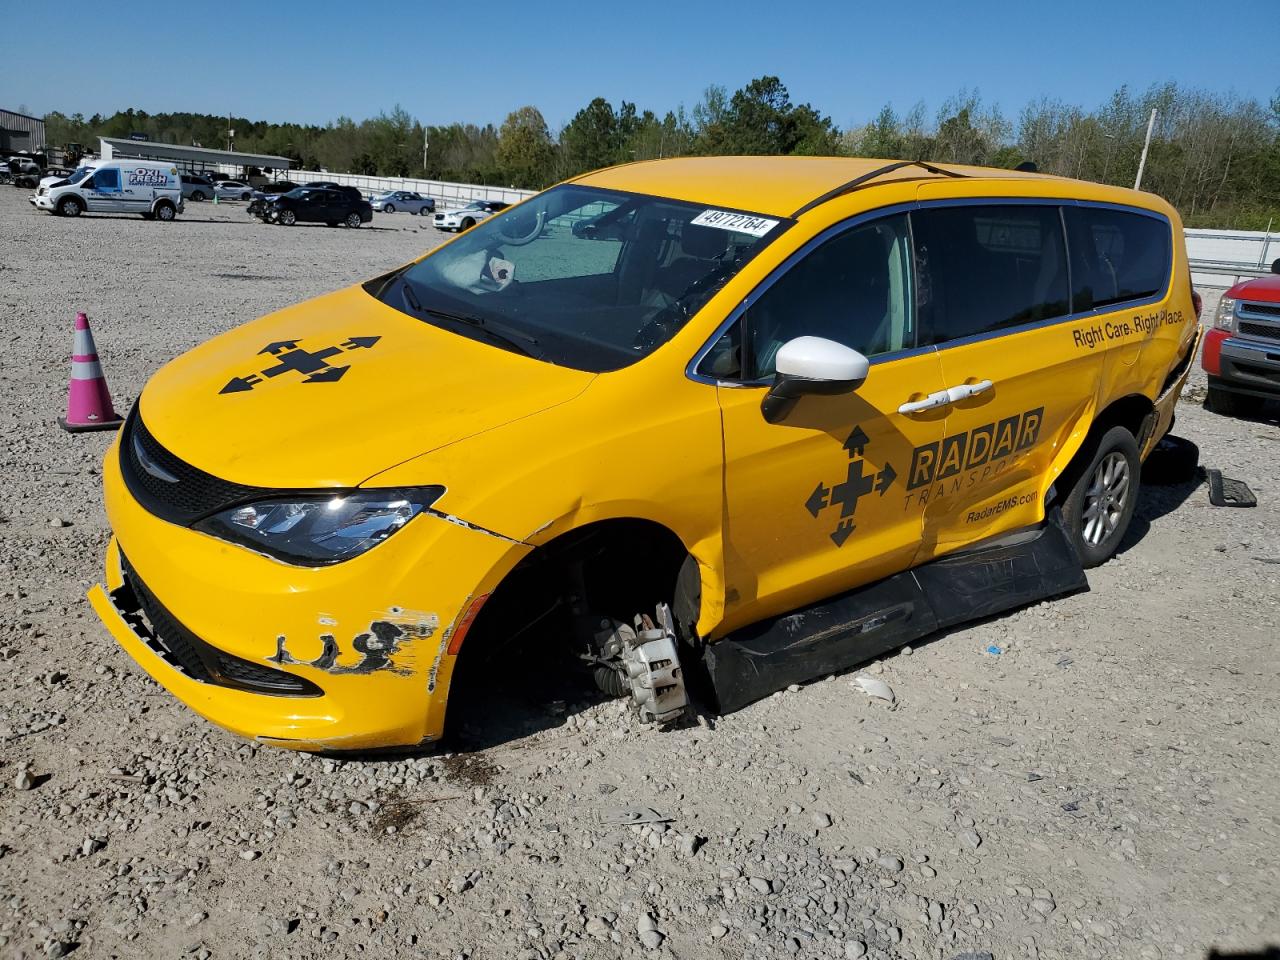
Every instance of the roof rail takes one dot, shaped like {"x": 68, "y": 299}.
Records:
{"x": 857, "y": 182}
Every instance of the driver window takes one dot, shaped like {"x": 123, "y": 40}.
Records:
{"x": 855, "y": 289}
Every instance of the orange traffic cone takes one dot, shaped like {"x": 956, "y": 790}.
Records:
{"x": 88, "y": 400}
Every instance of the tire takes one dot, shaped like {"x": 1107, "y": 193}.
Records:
{"x": 246, "y": 196}
{"x": 467, "y": 224}
{"x": 425, "y": 211}
{"x": 1230, "y": 404}
{"x": 353, "y": 220}
{"x": 1172, "y": 461}
{"x": 286, "y": 218}
{"x": 388, "y": 209}
{"x": 165, "y": 212}
{"x": 198, "y": 197}
{"x": 1097, "y": 512}
{"x": 70, "y": 207}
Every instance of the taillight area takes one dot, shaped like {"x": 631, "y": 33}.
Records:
{"x": 1211, "y": 355}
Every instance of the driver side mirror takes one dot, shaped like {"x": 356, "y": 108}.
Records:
{"x": 812, "y": 365}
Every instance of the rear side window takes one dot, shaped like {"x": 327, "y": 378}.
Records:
{"x": 1116, "y": 256}
{"x": 981, "y": 269}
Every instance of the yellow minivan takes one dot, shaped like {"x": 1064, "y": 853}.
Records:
{"x": 741, "y": 421}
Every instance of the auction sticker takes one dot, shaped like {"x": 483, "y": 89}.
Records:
{"x": 737, "y": 222}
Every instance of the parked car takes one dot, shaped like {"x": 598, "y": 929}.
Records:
{"x": 196, "y": 187}
{"x": 467, "y": 217}
{"x": 233, "y": 190}
{"x": 881, "y": 406}
{"x": 320, "y": 205}
{"x": 22, "y": 171}
{"x": 403, "y": 200}
{"x": 149, "y": 188}
{"x": 260, "y": 199}
{"x": 1242, "y": 349}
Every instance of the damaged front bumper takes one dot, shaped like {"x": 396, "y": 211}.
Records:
{"x": 354, "y": 656}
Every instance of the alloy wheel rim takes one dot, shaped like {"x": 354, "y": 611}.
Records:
{"x": 1105, "y": 499}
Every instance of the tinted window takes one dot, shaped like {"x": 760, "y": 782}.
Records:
{"x": 854, "y": 289}
{"x": 1116, "y": 256}
{"x": 985, "y": 268}
{"x": 107, "y": 179}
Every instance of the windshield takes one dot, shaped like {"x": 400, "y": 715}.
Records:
{"x": 587, "y": 278}
{"x": 79, "y": 174}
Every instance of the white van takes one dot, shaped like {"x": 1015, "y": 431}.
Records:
{"x": 147, "y": 187}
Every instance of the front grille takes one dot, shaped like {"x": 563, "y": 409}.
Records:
{"x": 1260, "y": 330}
{"x": 197, "y": 659}
{"x": 1265, "y": 309}
{"x": 168, "y": 486}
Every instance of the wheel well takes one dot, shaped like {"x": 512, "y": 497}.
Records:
{"x": 1132, "y": 412}
{"x": 553, "y": 599}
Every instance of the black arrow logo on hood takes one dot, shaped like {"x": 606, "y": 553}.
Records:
{"x": 280, "y": 346}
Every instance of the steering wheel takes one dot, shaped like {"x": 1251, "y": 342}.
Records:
{"x": 539, "y": 221}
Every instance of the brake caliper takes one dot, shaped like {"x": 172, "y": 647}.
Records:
{"x": 646, "y": 656}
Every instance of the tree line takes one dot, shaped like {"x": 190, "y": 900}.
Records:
{"x": 1216, "y": 157}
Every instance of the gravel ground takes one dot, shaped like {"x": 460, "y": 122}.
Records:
{"x": 1106, "y": 785}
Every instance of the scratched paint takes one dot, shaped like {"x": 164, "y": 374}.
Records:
{"x": 375, "y": 648}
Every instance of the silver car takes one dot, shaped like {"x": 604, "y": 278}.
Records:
{"x": 234, "y": 190}
{"x": 403, "y": 200}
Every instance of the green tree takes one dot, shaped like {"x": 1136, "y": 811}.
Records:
{"x": 525, "y": 151}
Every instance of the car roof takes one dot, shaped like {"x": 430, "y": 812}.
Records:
{"x": 781, "y": 186}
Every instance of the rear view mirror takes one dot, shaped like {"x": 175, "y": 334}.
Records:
{"x": 812, "y": 365}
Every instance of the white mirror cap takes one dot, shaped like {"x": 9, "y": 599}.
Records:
{"x": 817, "y": 358}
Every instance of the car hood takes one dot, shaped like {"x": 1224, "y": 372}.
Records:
{"x": 1260, "y": 288}
{"x": 332, "y": 391}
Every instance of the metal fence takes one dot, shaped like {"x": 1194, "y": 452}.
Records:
{"x": 1221, "y": 257}
{"x": 445, "y": 194}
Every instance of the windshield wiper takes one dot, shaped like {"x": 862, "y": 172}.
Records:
{"x": 499, "y": 331}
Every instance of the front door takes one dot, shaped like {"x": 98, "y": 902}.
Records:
{"x": 815, "y": 502}
{"x": 102, "y": 195}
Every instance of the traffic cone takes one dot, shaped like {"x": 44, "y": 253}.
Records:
{"x": 88, "y": 400}
{"x": 215, "y": 196}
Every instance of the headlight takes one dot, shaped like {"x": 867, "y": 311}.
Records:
{"x": 315, "y": 530}
{"x": 1226, "y": 316}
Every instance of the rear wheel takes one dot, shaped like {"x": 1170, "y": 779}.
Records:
{"x": 1234, "y": 404}
{"x": 246, "y": 196}
{"x": 70, "y": 206}
{"x": 425, "y": 211}
{"x": 198, "y": 196}
{"x": 353, "y": 220}
{"x": 165, "y": 211}
{"x": 1098, "y": 509}
{"x": 286, "y": 217}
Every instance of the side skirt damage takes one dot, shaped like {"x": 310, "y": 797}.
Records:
{"x": 856, "y": 626}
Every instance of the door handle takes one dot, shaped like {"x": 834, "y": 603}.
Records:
{"x": 964, "y": 391}
{"x": 939, "y": 399}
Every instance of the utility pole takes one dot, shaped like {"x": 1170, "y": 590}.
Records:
{"x": 424, "y": 151}
{"x": 1142, "y": 162}
{"x": 231, "y": 134}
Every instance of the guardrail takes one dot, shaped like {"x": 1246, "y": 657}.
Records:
{"x": 1228, "y": 269}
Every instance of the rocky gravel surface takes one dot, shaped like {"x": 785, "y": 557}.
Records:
{"x": 1093, "y": 778}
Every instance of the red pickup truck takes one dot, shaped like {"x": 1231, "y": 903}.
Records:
{"x": 1242, "y": 349}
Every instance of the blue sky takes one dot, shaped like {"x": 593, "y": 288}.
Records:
{"x": 477, "y": 61}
